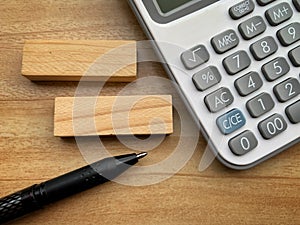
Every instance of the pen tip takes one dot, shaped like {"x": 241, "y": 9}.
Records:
{"x": 141, "y": 155}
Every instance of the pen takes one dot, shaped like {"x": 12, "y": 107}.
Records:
{"x": 39, "y": 195}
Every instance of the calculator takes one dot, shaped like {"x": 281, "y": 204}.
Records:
{"x": 237, "y": 66}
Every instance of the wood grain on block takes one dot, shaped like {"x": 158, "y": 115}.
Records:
{"x": 113, "y": 115}
{"x": 70, "y": 60}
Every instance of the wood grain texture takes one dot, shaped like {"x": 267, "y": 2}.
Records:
{"x": 29, "y": 153}
{"x": 74, "y": 60}
{"x": 113, "y": 115}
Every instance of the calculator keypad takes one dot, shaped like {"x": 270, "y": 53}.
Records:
{"x": 272, "y": 126}
{"x": 260, "y": 105}
{"x": 263, "y": 48}
{"x": 293, "y": 112}
{"x": 279, "y": 14}
{"x": 195, "y": 57}
{"x": 225, "y": 41}
{"x": 236, "y": 62}
{"x": 276, "y": 68}
{"x": 241, "y": 9}
{"x": 252, "y": 27}
{"x": 248, "y": 83}
{"x": 243, "y": 143}
{"x": 294, "y": 56}
{"x": 287, "y": 90}
{"x": 289, "y": 34}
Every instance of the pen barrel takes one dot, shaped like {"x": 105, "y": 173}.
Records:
{"x": 86, "y": 177}
{"x": 38, "y": 195}
{"x": 18, "y": 204}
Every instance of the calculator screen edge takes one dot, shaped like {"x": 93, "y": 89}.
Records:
{"x": 182, "y": 11}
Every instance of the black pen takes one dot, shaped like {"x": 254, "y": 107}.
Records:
{"x": 39, "y": 195}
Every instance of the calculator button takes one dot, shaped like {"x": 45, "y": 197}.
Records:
{"x": 206, "y": 78}
{"x": 252, "y": 27}
{"x": 293, "y": 112}
{"x": 276, "y": 68}
{"x": 289, "y": 34}
{"x": 248, "y": 83}
{"x": 279, "y": 13}
{"x": 287, "y": 90}
{"x": 260, "y": 105}
{"x": 225, "y": 41}
{"x": 263, "y": 48}
{"x": 294, "y": 56}
{"x": 195, "y": 57}
{"x": 243, "y": 143}
{"x": 297, "y": 4}
{"x": 272, "y": 126}
{"x": 264, "y": 2}
{"x": 219, "y": 99}
{"x": 241, "y": 9}
{"x": 236, "y": 62}
{"x": 231, "y": 121}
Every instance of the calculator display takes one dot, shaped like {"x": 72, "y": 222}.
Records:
{"x": 167, "y": 6}
{"x": 165, "y": 11}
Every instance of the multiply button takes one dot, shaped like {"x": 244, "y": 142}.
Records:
{"x": 231, "y": 121}
{"x": 272, "y": 126}
{"x": 194, "y": 57}
{"x": 243, "y": 143}
{"x": 219, "y": 99}
{"x": 225, "y": 41}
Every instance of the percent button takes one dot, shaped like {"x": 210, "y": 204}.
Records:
{"x": 206, "y": 78}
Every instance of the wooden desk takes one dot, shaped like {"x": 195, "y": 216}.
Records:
{"x": 266, "y": 194}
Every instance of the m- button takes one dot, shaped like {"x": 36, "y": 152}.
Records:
{"x": 225, "y": 41}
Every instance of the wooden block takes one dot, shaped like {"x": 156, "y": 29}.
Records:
{"x": 113, "y": 115}
{"x": 70, "y": 60}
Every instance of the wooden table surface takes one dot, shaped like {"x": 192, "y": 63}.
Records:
{"x": 29, "y": 153}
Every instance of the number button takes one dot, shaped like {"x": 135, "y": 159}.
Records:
{"x": 263, "y": 48}
{"x": 219, "y": 99}
{"x": 294, "y": 56}
{"x": 289, "y": 34}
{"x": 275, "y": 69}
{"x": 260, "y": 105}
{"x": 279, "y": 14}
{"x": 225, "y": 41}
{"x": 287, "y": 90}
{"x": 248, "y": 83}
{"x": 206, "y": 78}
{"x": 243, "y": 143}
{"x": 252, "y": 27}
{"x": 236, "y": 62}
{"x": 293, "y": 112}
{"x": 194, "y": 57}
{"x": 272, "y": 126}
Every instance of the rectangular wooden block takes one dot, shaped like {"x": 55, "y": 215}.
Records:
{"x": 70, "y": 60}
{"x": 113, "y": 115}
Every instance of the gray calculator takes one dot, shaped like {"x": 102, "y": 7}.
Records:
{"x": 237, "y": 65}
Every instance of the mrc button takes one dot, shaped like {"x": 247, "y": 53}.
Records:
{"x": 225, "y": 41}
{"x": 231, "y": 121}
